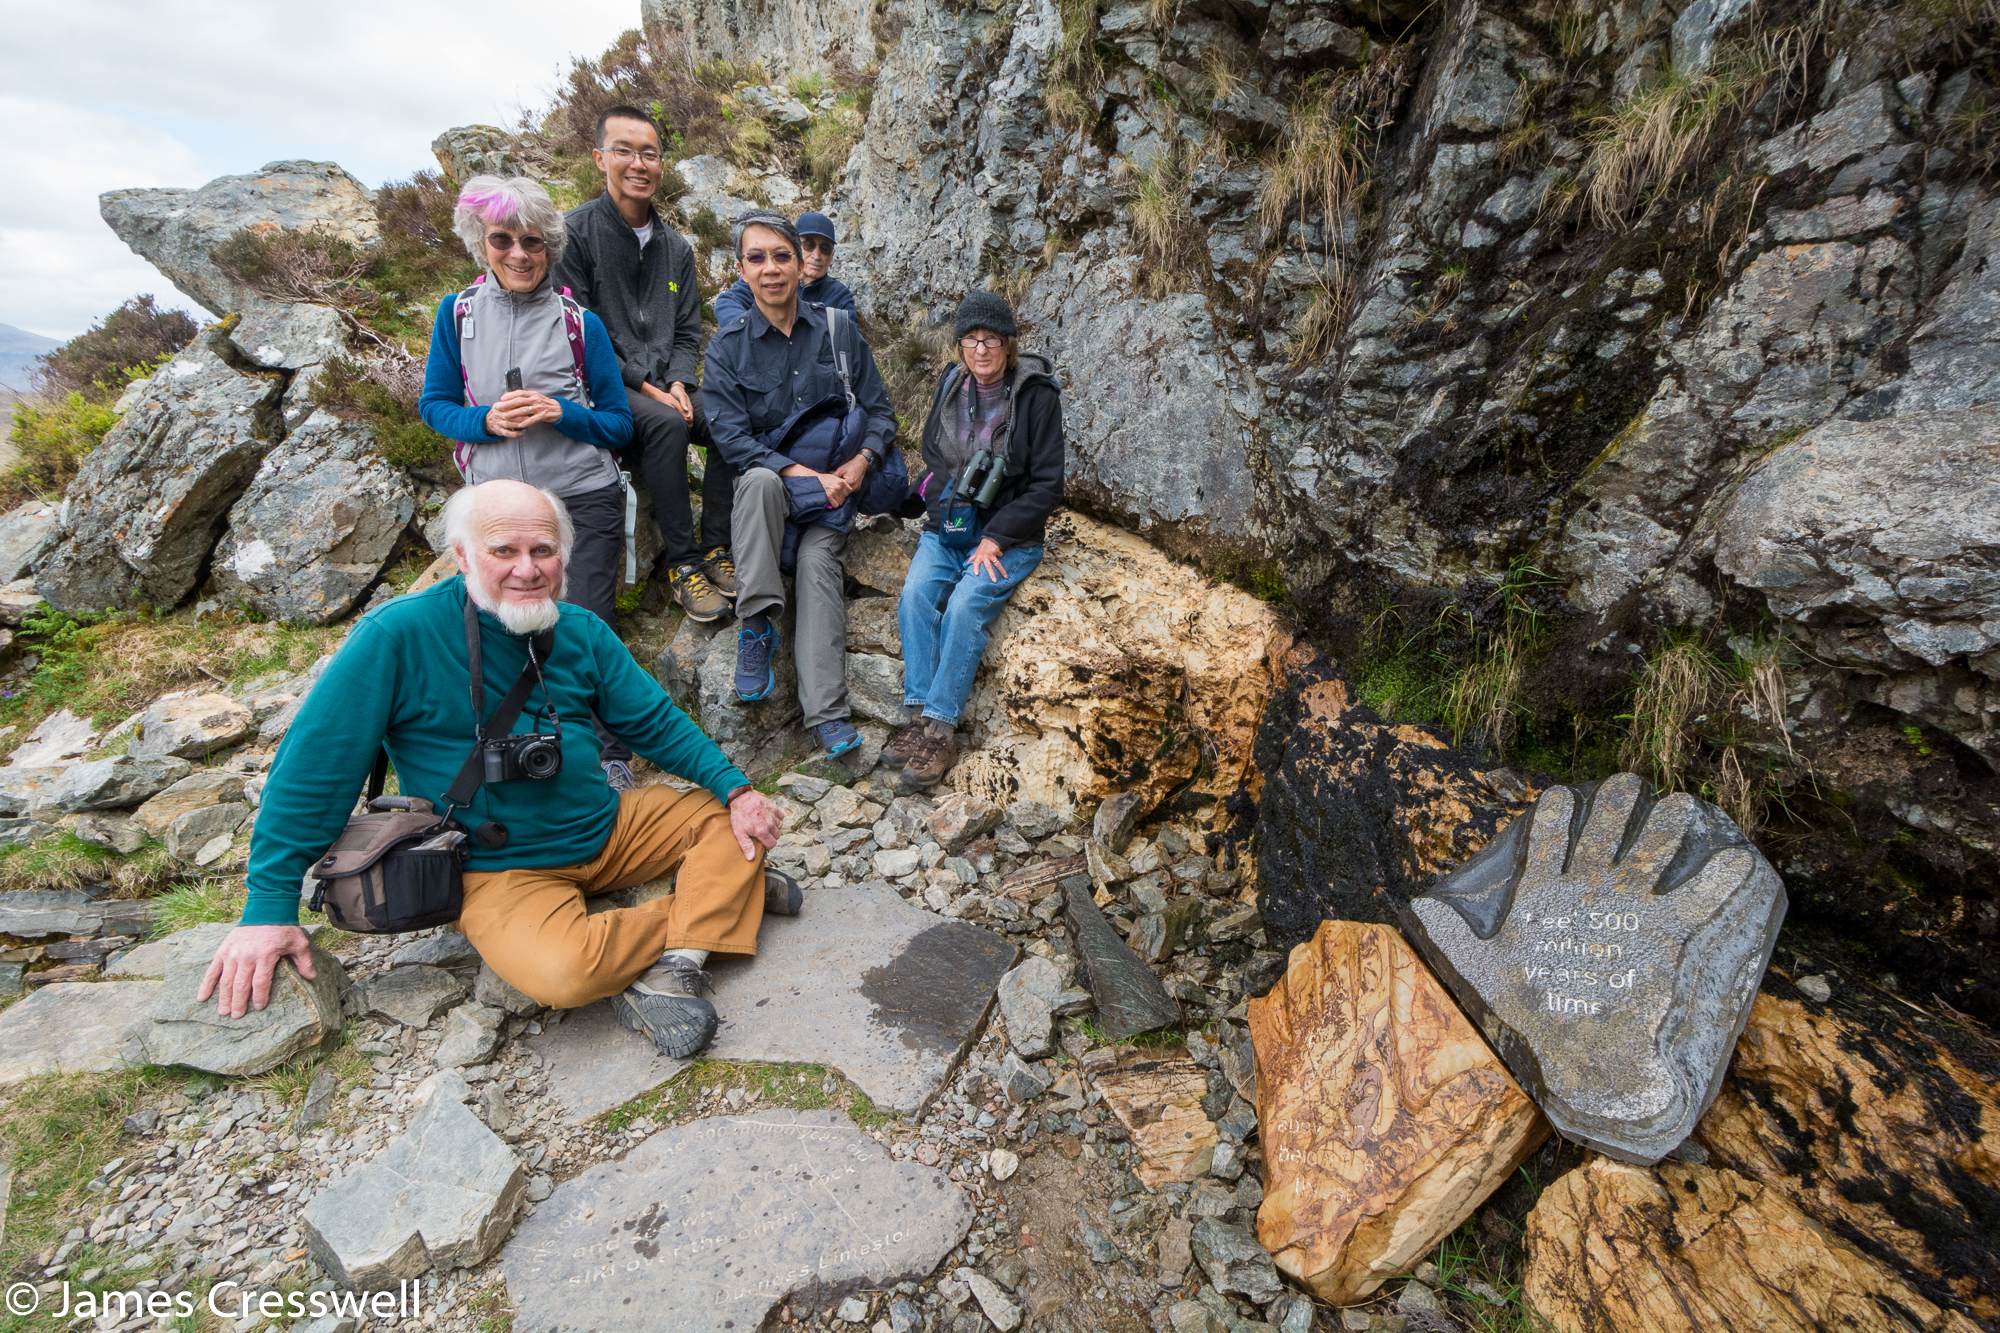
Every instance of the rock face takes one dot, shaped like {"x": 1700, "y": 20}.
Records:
{"x": 712, "y": 1224}
{"x": 1385, "y": 1119}
{"x": 319, "y": 521}
{"x": 145, "y": 509}
{"x": 1688, "y": 1249}
{"x": 790, "y": 37}
{"x": 179, "y": 230}
{"x": 1878, "y": 1132}
{"x": 1114, "y": 669}
{"x": 1878, "y": 538}
{"x": 1610, "y": 947}
{"x": 1357, "y": 815}
{"x": 303, "y": 1018}
{"x": 442, "y": 1196}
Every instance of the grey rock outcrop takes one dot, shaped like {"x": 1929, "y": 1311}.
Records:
{"x": 144, "y": 511}
{"x": 302, "y": 1018}
{"x": 1881, "y": 540}
{"x": 101, "y": 784}
{"x": 787, "y": 37}
{"x": 190, "y": 726}
{"x": 466, "y": 151}
{"x": 318, "y": 523}
{"x": 178, "y": 230}
{"x": 26, "y": 531}
{"x": 444, "y": 1195}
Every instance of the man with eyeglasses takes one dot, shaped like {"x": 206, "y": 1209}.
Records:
{"x": 816, "y": 285}
{"x": 638, "y": 275}
{"x": 769, "y": 370}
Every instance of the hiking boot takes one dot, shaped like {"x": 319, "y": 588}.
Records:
{"x": 756, "y": 645}
{"x": 697, "y": 596}
{"x": 837, "y": 736}
{"x": 897, "y": 752}
{"x": 721, "y": 571}
{"x": 618, "y": 775}
{"x": 782, "y": 894}
{"x": 665, "y": 1003}
{"x": 934, "y": 756}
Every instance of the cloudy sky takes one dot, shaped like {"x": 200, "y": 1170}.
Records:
{"x": 100, "y": 95}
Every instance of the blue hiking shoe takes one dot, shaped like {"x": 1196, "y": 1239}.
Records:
{"x": 756, "y": 644}
{"x": 838, "y": 736}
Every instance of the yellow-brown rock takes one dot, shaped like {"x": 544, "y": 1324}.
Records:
{"x": 1115, "y": 669}
{"x": 1689, "y": 1249}
{"x": 1876, "y": 1130}
{"x": 1385, "y": 1118}
{"x": 1156, "y": 1094}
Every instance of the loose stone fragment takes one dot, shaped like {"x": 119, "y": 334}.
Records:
{"x": 863, "y": 981}
{"x": 1157, "y": 936}
{"x": 113, "y": 784}
{"x": 492, "y": 990}
{"x": 62, "y": 738}
{"x": 29, "y": 913}
{"x": 1234, "y": 1261}
{"x": 1688, "y": 1249}
{"x": 961, "y": 819}
{"x": 191, "y": 726}
{"x": 1156, "y": 1095}
{"x": 1116, "y": 818}
{"x": 471, "y": 1035}
{"x": 715, "y": 1223}
{"x": 411, "y": 996}
{"x": 442, "y": 1196}
{"x": 1020, "y": 1081}
{"x": 1130, "y": 999}
{"x": 205, "y": 789}
{"x": 1003, "y": 1164}
{"x": 303, "y": 1018}
{"x": 1006, "y": 1315}
{"x": 1027, "y": 999}
{"x": 1034, "y": 820}
{"x": 1611, "y": 957}
{"x": 1822, "y": 1108}
{"x": 75, "y": 1028}
{"x": 1385, "y": 1119}
{"x": 447, "y": 948}
{"x": 120, "y": 833}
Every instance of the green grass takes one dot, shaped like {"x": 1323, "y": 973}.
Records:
{"x": 65, "y": 861}
{"x": 798, "y": 1087}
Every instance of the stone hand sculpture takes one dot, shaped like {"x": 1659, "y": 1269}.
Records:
{"x": 1609, "y": 946}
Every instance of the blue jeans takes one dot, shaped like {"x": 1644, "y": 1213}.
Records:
{"x": 944, "y": 613}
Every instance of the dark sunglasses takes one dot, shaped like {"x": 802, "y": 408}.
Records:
{"x": 814, "y": 244}
{"x": 756, "y": 257}
{"x": 530, "y": 245}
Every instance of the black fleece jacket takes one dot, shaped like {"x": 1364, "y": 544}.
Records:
{"x": 1034, "y": 428}
{"x": 649, "y": 300}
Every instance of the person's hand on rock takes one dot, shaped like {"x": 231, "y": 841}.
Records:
{"x": 239, "y": 976}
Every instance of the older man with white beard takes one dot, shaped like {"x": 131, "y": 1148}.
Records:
{"x": 401, "y": 682}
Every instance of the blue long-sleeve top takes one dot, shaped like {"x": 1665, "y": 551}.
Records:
{"x": 540, "y": 455}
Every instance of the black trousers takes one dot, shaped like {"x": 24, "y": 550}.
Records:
{"x": 660, "y": 437}
{"x": 594, "y": 567}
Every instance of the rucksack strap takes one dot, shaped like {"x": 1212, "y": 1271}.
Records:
{"x": 833, "y": 314}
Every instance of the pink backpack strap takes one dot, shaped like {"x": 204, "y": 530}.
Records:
{"x": 573, "y": 326}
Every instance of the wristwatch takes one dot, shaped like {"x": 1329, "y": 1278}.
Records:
{"x": 874, "y": 457}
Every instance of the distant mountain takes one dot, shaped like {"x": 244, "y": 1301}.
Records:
{"x": 18, "y": 350}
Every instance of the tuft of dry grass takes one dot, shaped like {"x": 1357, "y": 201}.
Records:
{"x": 1169, "y": 240}
{"x": 1676, "y": 682}
{"x": 1074, "y": 77}
{"x": 828, "y": 142}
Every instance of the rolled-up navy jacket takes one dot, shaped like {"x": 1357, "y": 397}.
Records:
{"x": 754, "y": 377}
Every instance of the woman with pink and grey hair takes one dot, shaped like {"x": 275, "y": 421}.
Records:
{"x": 526, "y": 383}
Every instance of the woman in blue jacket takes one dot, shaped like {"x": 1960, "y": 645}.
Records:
{"x": 526, "y": 383}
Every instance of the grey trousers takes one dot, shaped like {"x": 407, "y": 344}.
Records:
{"x": 757, "y": 535}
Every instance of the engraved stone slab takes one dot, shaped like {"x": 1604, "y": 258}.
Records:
{"x": 709, "y": 1225}
{"x": 1609, "y": 945}
{"x": 596, "y": 1063}
{"x": 861, "y": 980}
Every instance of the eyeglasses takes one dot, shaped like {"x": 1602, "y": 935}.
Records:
{"x": 756, "y": 258}
{"x": 986, "y": 344}
{"x": 621, "y": 154}
{"x": 501, "y": 241}
{"x": 815, "y": 244}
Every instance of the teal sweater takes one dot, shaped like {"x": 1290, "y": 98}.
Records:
{"x": 401, "y": 677}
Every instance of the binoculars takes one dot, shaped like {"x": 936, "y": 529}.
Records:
{"x": 980, "y": 482}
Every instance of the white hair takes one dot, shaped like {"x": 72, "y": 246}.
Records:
{"x": 461, "y": 514}
{"x": 518, "y": 202}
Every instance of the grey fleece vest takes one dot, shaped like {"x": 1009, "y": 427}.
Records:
{"x": 524, "y": 330}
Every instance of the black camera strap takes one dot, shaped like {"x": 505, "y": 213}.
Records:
{"x": 472, "y": 773}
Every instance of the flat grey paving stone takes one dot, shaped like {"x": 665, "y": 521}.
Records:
{"x": 711, "y": 1224}
{"x": 30, "y": 913}
{"x": 1609, "y": 945}
{"x": 76, "y": 1027}
{"x": 862, "y": 981}
{"x": 596, "y": 1063}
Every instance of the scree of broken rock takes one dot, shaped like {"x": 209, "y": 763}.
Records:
{"x": 1609, "y": 945}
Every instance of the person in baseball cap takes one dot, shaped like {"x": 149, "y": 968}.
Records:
{"x": 816, "y": 240}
